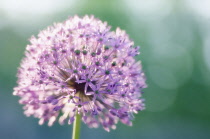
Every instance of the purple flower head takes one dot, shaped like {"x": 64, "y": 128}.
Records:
{"x": 80, "y": 66}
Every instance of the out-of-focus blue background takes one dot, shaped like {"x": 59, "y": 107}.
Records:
{"x": 174, "y": 36}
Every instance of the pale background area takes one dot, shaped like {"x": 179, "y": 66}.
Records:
{"x": 174, "y": 36}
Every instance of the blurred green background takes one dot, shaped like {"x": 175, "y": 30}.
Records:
{"x": 174, "y": 36}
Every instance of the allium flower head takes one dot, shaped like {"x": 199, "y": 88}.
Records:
{"x": 80, "y": 66}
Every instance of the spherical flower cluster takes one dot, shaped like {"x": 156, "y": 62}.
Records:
{"x": 81, "y": 67}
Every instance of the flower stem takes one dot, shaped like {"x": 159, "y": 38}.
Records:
{"x": 76, "y": 128}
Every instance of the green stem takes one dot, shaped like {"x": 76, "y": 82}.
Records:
{"x": 76, "y": 128}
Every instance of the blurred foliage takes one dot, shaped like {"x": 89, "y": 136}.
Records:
{"x": 175, "y": 46}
